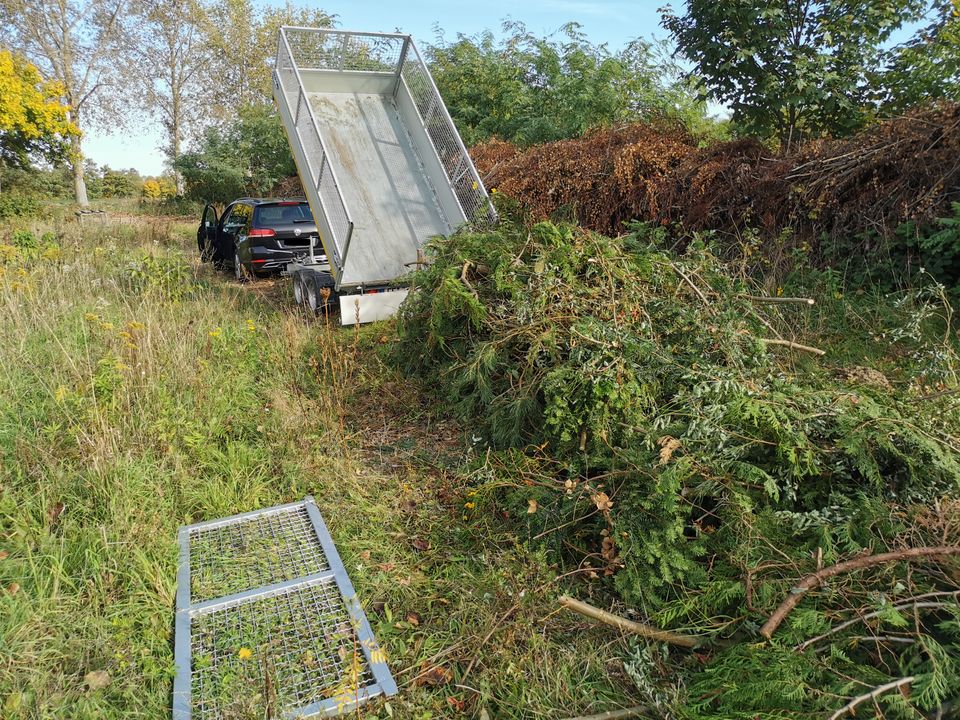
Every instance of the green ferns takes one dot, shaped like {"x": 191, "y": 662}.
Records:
{"x": 630, "y": 395}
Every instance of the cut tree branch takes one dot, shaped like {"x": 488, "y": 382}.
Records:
{"x": 861, "y": 563}
{"x": 793, "y": 345}
{"x": 916, "y": 602}
{"x": 872, "y": 695}
{"x": 781, "y": 300}
{"x": 689, "y": 282}
{"x": 616, "y": 714}
{"x": 640, "y": 629}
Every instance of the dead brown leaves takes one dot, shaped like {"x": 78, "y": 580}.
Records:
{"x": 602, "y": 501}
{"x": 433, "y": 676}
{"x": 894, "y": 171}
{"x": 668, "y": 446}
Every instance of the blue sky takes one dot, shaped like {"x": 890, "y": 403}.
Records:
{"x": 615, "y": 22}
{"x": 612, "y": 21}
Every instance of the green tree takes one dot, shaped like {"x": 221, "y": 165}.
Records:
{"x": 168, "y": 56}
{"x": 927, "y": 67}
{"x": 76, "y": 43}
{"x": 120, "y": 183}
{"x": 33, "y": 121}
{"x": 531, "y": 89}
{"x": 793, "y": 69}
{"x": 242, "y": 40}
{"x": 248, "y": 156}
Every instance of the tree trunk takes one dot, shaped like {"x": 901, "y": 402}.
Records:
{"x": 79, "y": 185}
{"x": 175, "y": 141}
{"x": 76, "y": 163}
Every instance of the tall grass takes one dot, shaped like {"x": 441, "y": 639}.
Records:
{"x": 140, "y": 391}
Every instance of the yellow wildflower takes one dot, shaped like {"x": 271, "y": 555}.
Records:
{"x": 245, "y": 653}
{"x": 216, "y": 332}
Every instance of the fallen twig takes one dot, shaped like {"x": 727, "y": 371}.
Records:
{"x": 781, "y": 300}
{"x": 614, "y": 714}
{"x": 913, "y": 602}
{"x": 872, "y": 695}
{"x": 503, "y": 618}
{"x": 689, "y": 282}
{"x": 792, "y": 345}
{"x": 641, "y": 629}
{"x": 812, "y": 581}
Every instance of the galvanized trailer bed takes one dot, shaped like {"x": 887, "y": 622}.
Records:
{"x": 381, "y": 162}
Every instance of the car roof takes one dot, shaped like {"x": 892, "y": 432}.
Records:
{"x": 268, "y": 201}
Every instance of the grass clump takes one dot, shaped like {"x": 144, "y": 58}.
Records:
{"x": 642, "y": 426}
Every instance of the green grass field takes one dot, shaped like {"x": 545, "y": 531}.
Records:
{"x": 140, "y": 391}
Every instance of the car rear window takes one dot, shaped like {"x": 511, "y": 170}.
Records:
{"x": 270, "y": 215}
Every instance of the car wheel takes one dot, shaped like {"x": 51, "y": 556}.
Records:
{"x": 239, "y": 271}
{"x": 206, "y": 250}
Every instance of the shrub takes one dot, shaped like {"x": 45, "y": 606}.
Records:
{"x": 23, "y": 239}
{"x": 639, "y": 422}
{"x": 12, "y": 206}
{"x": 170, "y": 277}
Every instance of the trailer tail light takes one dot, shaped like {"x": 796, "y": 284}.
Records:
{"x": 262, "y": 233}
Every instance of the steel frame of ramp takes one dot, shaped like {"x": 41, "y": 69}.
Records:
{"x": 265, "y": 607}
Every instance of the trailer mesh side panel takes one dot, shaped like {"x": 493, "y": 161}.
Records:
{"x": 268, "y": 622}
{"x": 318, "y": 49}
{"x": 460, "y": 171}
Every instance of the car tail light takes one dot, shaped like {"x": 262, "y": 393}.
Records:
{"x": 262, "y": 232}
{"x": 288, "y": 203}
{"x": 258, "y": 262}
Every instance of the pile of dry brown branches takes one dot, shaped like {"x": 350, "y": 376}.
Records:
{"x": 898, "y": 170}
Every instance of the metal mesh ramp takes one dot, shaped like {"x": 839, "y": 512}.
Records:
{"x": 268, "y": 623}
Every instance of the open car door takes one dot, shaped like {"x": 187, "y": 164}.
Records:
{"x": 207, "y": 240}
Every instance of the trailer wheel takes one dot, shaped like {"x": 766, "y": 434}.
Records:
{"x": 298, "y": 293}
{"x": 314, "y": 302}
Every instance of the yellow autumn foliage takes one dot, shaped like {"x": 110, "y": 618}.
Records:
{"x": 32, "y": 117}
{"x": 159, "y": 189}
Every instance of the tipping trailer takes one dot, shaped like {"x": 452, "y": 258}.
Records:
{"x": 381, "y": 162}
